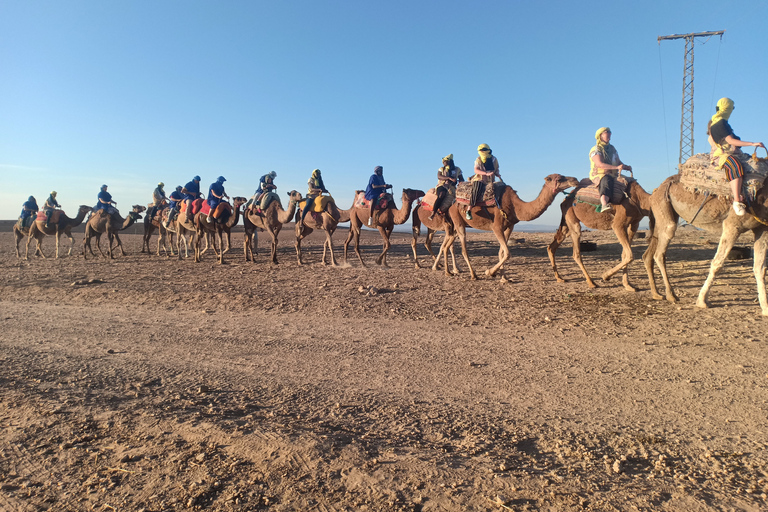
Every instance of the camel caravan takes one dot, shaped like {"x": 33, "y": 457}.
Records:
{"x": 722, "y": 192}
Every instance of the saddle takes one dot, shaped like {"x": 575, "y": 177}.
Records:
{"x": 588, "y": 192}
{"x": 197, "y": 204}
{"x": 54, "y": 216}
{"x": 428, "y": 201}
{"x": 266, "y": 199}
{"x": 489, "y": 197}
{"x": 697, "y": 174}
{"x": 362, "y": 202}
{"x": 320, "y": 204}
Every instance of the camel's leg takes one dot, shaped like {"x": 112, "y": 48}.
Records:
{"x": 504, "y": 250}
{"x": 625, "y": 239}
{"x": 229, "y": 241}
{"x": 18, "y": 235}
{"x": 298, "y": 247}
{"x": 414, "y": 241}
{"x": 727, "y": 239}
{"x": 329, "y": 241}
{"x": 274, "y": 246}
{"x": 560, "y": 235}
{"x": 354, "y": 233}
{"x": 382, "y": 259}
{"x": 462, "y": 233}
{"x": 453, "y": 257}
{"x": 759, "y": 249}
{"x": 120, "y": 244}
{"x": 658, "y": 250}
{"x": 446, "y": 246}
{"x": 440, "y": 253}
{"x": 428, "y": 243}
{"x": 246, "y": 245}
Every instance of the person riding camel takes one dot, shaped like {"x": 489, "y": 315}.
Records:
{"x": 190, "y": 192}
{"x": 158, "y": 200}
{"x": 447, "y": 178}
{"x": 28, "y": 210}
{"x": 375, "y": 190}
{"x": 105, "y": 201}
{"x": 486, "y": 172}
{"x": 266, "y": 184}
{"x": 605, "y": 167}
{"x": 215, "y": 195}
{"x": 315, "y": 188}
{"x": 175, "y": 199}
{"x": 725, "y": 144}
{"x": 50, "y": 205}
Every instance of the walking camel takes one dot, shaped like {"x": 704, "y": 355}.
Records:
{"x": 225, "y": 218}
{"x": 502, "y": 220}
{"x": 328, "y": 220}
{"x": 271, "y": 220}
{"x": 624, "y": 219}
{"x": 437, "y": 223}
{"x": 671, "y": 200}
{"x": 385, "y": 223}
{"x": 156, "y": 222}
{"x": 62, "y": 225}
{"x": 102, "y": 222}
{"x": 19, "y": 232}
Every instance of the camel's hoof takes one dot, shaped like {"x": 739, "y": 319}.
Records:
{"x": 702, "y": 304}
{"x": 559, "y": 279}
{"x": 671, "y": 299}
{"x": 765, "y": 312}
{"x": 630, "y": 288}
{"x": 606, "y": 277}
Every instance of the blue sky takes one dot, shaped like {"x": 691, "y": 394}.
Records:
{"x": 129, "y": 93}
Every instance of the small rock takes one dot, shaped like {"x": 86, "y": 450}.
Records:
{"x": 203, "y": 389}
{"x": 110, "y": 351}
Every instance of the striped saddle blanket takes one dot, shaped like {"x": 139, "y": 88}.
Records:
{"x": 587, "y": 192}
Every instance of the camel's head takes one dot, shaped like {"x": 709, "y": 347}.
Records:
{"x": 557, "y": 183}
{"x": 84, "y": 208}
{"x": 295, "y": 196}
{"x": 137, "y": 208}
{"x": 239, "y": 201}
{"x": 412, "y": 194}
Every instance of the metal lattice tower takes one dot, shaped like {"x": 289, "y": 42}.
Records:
{"x": 686, "y": 121}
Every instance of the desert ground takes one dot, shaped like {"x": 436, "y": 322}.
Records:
{"x": 152, "y": 384}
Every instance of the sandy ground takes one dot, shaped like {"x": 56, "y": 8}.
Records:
{"x": 150, "y": 384}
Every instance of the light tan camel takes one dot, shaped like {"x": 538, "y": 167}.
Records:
{"x": 270, "y": 220}
{"x": 671, "y": 200}
{"x": 37, "y": 231}
{"x": 327, "y": 221}
{"x": 101, "y": 222}
{"x": 19, "y": 233}
{"x": 386, "y": 220}
{"x": 437, "y": 223}
{"x": 226, "y": 217}
{"x": 150, "y": 225}
{"x": 502, "y": 221}
{"x": 624, "y": 218}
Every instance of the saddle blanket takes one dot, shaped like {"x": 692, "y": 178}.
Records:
{"x": 320, "y": 204}
{"x": 589, "y": 193}
{"x": 197, "y": 204}
{"x": 362, "y": 202}
{"x": 697, "y": 174}
{"x": 54, "y": 216}
{"x": 428, "y": 201}
{"x": 464, "y": 193}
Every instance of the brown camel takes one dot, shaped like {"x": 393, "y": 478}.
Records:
{"x": 624, "y": 218}
{"x": 37, "y": 231}
{"x": 502, "y": 221}
{"x": 156, "y": 222}
{"x": 439, "y": 222}
{"x": 328, "y": 220}
{"x": 101, "y": 222}
{"x": 671, "y": 201}
{"x": 19, "y": 232}
{"x": 385, "y": 223}
{"x": 225, "y": 218}
{"x": 270, "y": 220}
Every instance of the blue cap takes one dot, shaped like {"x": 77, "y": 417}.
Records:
{"x": 196, "y": 178}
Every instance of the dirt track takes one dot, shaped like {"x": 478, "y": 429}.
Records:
{"x": 156, "y": 384}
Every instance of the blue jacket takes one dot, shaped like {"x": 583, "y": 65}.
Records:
{"x": 371, "y": 192}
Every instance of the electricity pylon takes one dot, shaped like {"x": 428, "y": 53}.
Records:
{"x": 686, "y": 122}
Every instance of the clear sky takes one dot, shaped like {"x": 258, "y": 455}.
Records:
{"x": 129, "y": 93}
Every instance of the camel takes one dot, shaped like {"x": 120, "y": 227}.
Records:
{"x": 671, "y": 200}
{"x": 438, "y": 223}
{"x": 502, "y": 220}
{"x": 19, "y": 233}
{"x": 624, "y": 219}
{"x": 37, "y": 231}
{"x": 101, "y": 222}
{"x": 327, "y": 221}
{"x": 271, "y": 220}
{"x": 228, "y": 216}
{"x": 150, "y": 224}
{"x": 385, "y": 223}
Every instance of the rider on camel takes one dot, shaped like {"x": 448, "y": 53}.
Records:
{"x": 486, "y": 172}
{"x": 176, "y": 197}
{"x": 315, "y": 188}
{"x": 447, "y": 178}
{"x": 50, "y": 205}
{"x": 605, "y": 167}
{"x": 190, "y": 192}
{"x": 375, "y": 190}
{"x": 215, "y": 195}
{"x": 105, "y": 201}
{"x": 28, "y": 209}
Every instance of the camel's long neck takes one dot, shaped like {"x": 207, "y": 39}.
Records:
{"x": 533, "y": 210}
{"x": 284, "y": 216}
{"x": 642, "y": 198}
{"x": 77, "y": 220}
{"x": 127, "y": 222}
{"x": 234, "y": 218}
{"x": 345, "y": 215}
{"x": 402, "y": 215}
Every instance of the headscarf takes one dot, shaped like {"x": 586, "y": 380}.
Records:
{"x": 723, "y": 110}
{"x": 273, "y": 174}
{"x": 378, "y": 170}
{"x": 448, "y": 162}
{"x": 161, "y": 184}
{"x": 605, "y": 149}
{"x": 484, "y": 151}
{"x": 316, "y": 173}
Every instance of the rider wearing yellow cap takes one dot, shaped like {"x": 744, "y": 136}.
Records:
{"x": 486, "y": 171}
{"x": 725, "y": 144}
{"x": 315, "y": 187}
{"x": 605, "y": 166}
{"x": 158, "y": 201}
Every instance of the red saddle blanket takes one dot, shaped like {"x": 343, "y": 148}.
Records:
{"x": 588, "y": 192}
{"x": 54, "y": 216}
{"x": 464, "y": 193}
{"x": 362, "y": 202}
{"x": 197, "y": 205}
